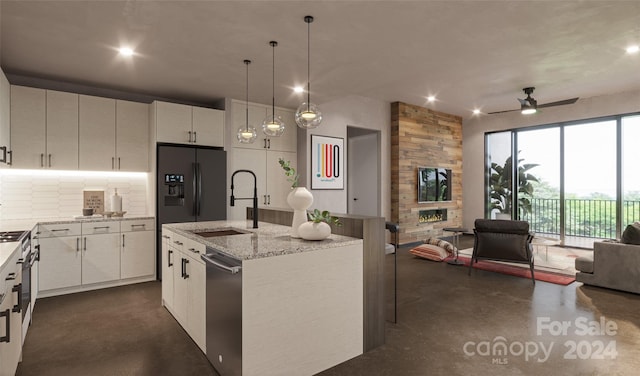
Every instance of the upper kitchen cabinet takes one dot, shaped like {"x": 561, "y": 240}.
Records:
{"x": 132, "y": 136}
{"x": 97, "y": 133}
{"x": 114, "y": 135}
{"x": 44, "y": 129}
{"x": 183, "y": 124}
{"x": 257, "y": 113}
{"x": 5, "y": 120}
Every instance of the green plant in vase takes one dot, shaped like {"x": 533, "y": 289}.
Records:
{"x": 289, "y": 172}
{"x": 317, "y": 216}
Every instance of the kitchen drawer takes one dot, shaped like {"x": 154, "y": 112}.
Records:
{"x": 58, "y": 229}
{"x": 137, "y": 225}
{"x": 178, "y": 242}
{"x": 194, "y": 250}
{"x": 105, "y": 227}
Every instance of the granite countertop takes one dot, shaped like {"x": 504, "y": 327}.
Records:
{"x": 267, "y": 240}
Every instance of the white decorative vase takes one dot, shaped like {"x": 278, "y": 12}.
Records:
{"x": 314, "y": 231}
{"x": 300, "y": 199}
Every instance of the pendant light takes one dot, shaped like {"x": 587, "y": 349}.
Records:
{"x": 272, "y": 124}
{"x": 247, "y": 135}
{"x": 308, "y": 115}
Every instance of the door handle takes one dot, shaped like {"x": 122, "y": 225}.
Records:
{"x": 186, "y": 275}
{"x": 183, "y": 272}
{"x": 17, "y": 289}
{"x": 189, "y": 136}
{"x": 194, "y": 188}
{"x": 195, "y": 136}
{"x": 265, "y": 143}
{"x": 7, "y": 314}
{"x": 268, "y": 143}
{"x": 199, "y": 187}
{"x": 169, "y": 263}
{"x": 268, "y": 199}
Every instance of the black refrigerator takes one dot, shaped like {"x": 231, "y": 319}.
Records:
{"x": 190, "y": 187}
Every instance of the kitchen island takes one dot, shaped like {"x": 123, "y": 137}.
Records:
{"x": 301, "y": 301}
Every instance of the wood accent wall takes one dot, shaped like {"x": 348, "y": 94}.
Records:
{"x": 421, "y": 137}
{"x": 372, "y": 231}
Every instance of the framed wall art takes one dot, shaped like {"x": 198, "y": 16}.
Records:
{"x": 327, "y": 162}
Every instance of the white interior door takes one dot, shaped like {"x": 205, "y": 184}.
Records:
{"x": 363, "y": 178}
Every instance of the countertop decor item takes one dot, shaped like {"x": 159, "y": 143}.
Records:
{"x": 317, "y": 228}
{"x": 94, "y": 200}
{"x": 116, "y": 202}
{"x": 308, "y": 115}
{"x": 247, "y": 135}
{"x": 299, "y": 199}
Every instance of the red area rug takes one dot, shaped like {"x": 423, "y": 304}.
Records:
{"x": 558, "y": 279}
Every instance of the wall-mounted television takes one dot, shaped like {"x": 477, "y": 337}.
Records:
{"x": 434, "y": 184}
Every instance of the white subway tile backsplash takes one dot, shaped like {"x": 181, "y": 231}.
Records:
{"x": 27, "y": 195}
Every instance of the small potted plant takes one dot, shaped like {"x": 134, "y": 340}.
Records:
{"x": 299, "y": 198}
{"x": 318, "y": 227}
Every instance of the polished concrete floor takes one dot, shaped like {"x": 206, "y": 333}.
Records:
{"x": 449, "y": 323}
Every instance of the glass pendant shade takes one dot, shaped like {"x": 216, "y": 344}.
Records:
{"x": 273, "y": 126}
{"x": 308, "y": 116}
{"x": 247, "y": 134}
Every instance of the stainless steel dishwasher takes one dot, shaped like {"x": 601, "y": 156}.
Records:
{"x": 224, "y": 312}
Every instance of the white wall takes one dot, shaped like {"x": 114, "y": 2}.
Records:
{"x": 473, "y": 138}
{"x": 354, "y": 111}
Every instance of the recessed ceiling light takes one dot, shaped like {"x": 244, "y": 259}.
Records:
{"x": 298, "y": 89}
{"x": 431, "y": 98}
{"x": 125, "y": 51}
{"x": 476, "y": 112}
{"x": 633, "y": 49}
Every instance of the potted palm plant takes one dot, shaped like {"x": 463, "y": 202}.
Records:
{"x": 501, "y": 188}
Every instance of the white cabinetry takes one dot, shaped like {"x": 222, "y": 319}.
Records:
{"x": 183, "y": 124}
{"x": 97, "y": 133}
{"x": 10, "y": 318}
{"x": 184, "y": 292}
{"x": 137, "y": 253}
{"x": 100, "y": 252}
{"x": 5, "y": 120}
{"x": 132, "y": 136}
{"x": 261, "y": 157}
{"x": 44, "y": 128}
{"x": 60, "y": 256}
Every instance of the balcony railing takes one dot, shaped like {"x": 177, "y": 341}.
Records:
{"x": 583, "y": 217}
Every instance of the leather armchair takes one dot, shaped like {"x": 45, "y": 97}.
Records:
{"x": 502, "y": 240}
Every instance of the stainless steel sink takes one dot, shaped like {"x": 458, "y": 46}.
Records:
{"x": 220, "y": 232}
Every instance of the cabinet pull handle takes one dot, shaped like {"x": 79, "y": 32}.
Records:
{"x": 101, "y": 227}
{"x": 177, "y": 242}
{"x": 41, "y": 160}
{"x": 186, "y": 275}
{"x": 189, "y": 136}
{"x": 269, "y": 199}
{"x": 264, "y": 141}
{"x": 10, "y": 277}
{"x": 195, "y": 136}
{"x": 269, "y": 144}
{"x": 169, "y": 263}
{"x": 59, "y": 229}
{"x": 164, "y": 236}
{"x": 7, "y": 314}
{"x": 49, "y": 160}
{"x": 77, "y": 245}
{"x": 118, "y": 163}
{"x": 17, "y": 289}
{"x": 10, "y": 152}
{"x": 4, "y": 154}
{"x": 193, "y": 250}
{"x": 123, "y": 242}
{"x": 113, "y": 163}
{"x": 143, "y": 226}
{"x": 85, "y": 244}
{"x": 182, "y": 268}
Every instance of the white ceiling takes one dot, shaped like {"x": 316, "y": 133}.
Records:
{"x": 471, "y": 54}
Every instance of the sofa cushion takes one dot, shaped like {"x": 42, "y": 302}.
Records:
{"x": 631, "y": 234}
{"x": 429, "y": 252}
{"x": 442, "y": 244}
{"x": 584, "y": 264}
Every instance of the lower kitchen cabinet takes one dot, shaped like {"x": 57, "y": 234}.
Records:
{"x": 137, "y": 257}
{"x": 184, "y": 292}
{"x": 10, "y": 318}
{"x": 100, "y": 258}
{"x": 60, "y": 263}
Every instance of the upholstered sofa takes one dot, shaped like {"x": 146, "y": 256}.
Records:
{"x": 502, "y": 240}
{"x": 613, "y": 265}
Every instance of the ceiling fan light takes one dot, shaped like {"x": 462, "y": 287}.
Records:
{"x": 529, "y": 111}
{"x": 308, "y": 116}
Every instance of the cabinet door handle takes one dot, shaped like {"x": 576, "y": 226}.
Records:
{"x": 123, "y": 242}
{"x": 7, "y": 314}
{"x": 113, "y": 163}
{"x": 85, "y": 244}
{"x": 143, "y": 227}
{"x": 182, "y": 268}
{"x": 189, "y": 136}
{"x": 164, "y": 236}
{"x": 177, "y": 242}
{"x": 118, "y": 163}
{"x": 4, "y": 154}
{"x": 269, "y": 143}
{"x": 186, "y": 275}
{"x": 10, "y": 152}
{"x": 195, "y": 136}
{"x": 265, "y": 143}
{"x": 17, "y": 289}
{"x": 49, "y": 160}
{"x": 193, "y": 250}
{"x": 169, "y": 263}
{"x": 101, "y": 227}
{"x": 59, "y": 229}
{"x": 41, "y": 159}
{"x": 77, "y": 245}
{"x": 10, "y": 277}
{"x": 268, "y": 199}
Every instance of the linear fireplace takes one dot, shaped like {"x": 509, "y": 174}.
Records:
{"x": 432, "y": 215}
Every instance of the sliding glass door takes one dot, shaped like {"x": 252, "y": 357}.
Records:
{"x": 630, "y": 175}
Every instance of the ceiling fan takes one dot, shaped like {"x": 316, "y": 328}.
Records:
{"x": 529, "y": 105}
